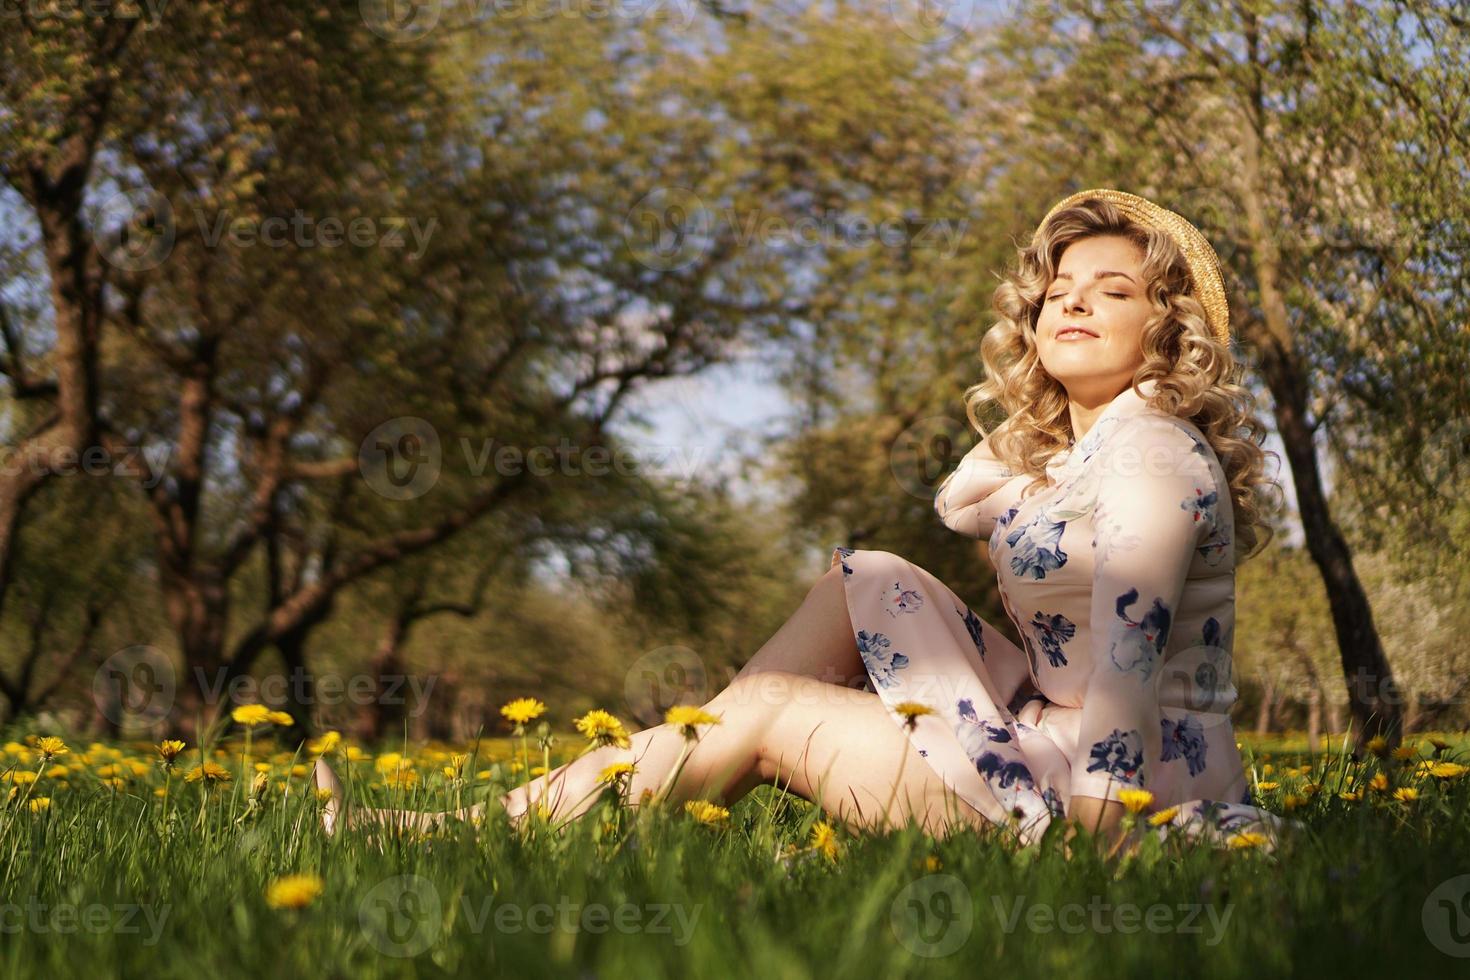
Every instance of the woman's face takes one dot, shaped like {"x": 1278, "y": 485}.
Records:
{"x": 1099, "y": 288}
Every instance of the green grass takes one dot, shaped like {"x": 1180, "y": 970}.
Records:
{"x": 666, "y": 896}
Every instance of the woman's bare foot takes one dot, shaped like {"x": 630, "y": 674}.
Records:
{"x": 336, "y": 806}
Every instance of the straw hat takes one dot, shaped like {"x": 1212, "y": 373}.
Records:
{"x": 1204, "y": 265}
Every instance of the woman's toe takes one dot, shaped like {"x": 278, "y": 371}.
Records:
{"x": 327, "y": 779}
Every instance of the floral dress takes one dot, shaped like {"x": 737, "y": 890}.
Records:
{"x": 1119, "y": 576}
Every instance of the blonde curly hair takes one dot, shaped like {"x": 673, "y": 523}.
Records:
{"x": 1197, "y": 375}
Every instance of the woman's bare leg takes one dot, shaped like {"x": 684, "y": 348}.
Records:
{"x": 827, "y": 743}
{"x": 816, "y": 642}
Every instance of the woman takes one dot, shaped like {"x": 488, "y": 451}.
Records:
{"x": 1117, "y": 497}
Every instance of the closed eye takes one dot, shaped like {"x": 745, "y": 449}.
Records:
{"x": 1119, "y": 295}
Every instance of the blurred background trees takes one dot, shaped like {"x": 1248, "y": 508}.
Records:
{"x": 281, "y": 284}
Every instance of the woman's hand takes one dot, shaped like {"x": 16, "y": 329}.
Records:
{"x": 1103, "y": 821}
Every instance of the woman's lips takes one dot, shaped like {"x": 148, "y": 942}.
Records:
{"x": 1075, "y": 333}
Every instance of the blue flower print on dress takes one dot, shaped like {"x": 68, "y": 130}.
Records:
{"x": 1224, "y": 816}
{"x": 976, "y": 734}
{"x": 845, "y": 553}
{"x": 973, "y": 625}
{"x": 882, "y": 663}
{"x": 1136, "y": 645}
{"x": 896, "y": 599}
{"x": 1054, "y": 802}
{"x": 1213, "y": 548}
{"x": 1005, "y": 773}
{"x": 1120, "y": 755}
{"x": 1184, "y": 738}
{"x": 1202, "y": 505}
{"x": 1001, "y": 523}
{"x": 994, "y": 733}
{"x": 1051, "y": 631}
{"x": 1040, "y": 547}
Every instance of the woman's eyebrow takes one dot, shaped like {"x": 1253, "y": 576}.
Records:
{"x": 1101, "y": 275}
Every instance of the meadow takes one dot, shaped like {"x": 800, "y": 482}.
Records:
{"x": 121, "y": 861}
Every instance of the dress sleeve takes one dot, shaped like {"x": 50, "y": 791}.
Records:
{"x": 1155, "y": 496}
{"x": 966, "y": 500}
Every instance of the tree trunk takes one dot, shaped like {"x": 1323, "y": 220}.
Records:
{"x": 1372, "y": 694}
{"x": 1265, "y": 712}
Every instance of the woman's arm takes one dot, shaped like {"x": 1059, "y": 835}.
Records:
{"x": 1153, "y": 490}
{"x": 966, "y": 500}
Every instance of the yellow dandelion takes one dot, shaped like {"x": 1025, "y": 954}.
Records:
{"x": 1447, "y": 770}
{"x": 687, "y": 716}
{"x": 535, "y": 771}
{"x": 262, "y": 767}
{"x": 602, "y": 728}
{"x": 281, "y": 718}
{"x": 210, "y": 772}
{"x": 1378, "y": 745}
{"x": 522, "y": 710}
{"x": 912, "y": 711}
{"x": 40, "y": 803}
{"x": 1406, "y": 794}
{"x": 1352, "y": 796}
{"x": 50, "y": 747}
{"x": 1292, "y": 801}
{"x": 1379, "y": 782}
{"x": 251, "y": 715}
{"x": 1310, "y": 789}
{"x": 323, "y": 794}
{"x": 1439, "y": 744}
{"x": 21, "y": 777}
{"x": 327, "y": 743}
{"x": 609, "y": 775}
{"x": 1267, "y": 785}
{"x": 1163, "y": 816}
{"x": 403, "y": 778}
{"x": 932, "y": 862}
{"x": 57, "y": 772}
{"x": 1405, "y": 752}
{"x": 1267, "y": 769}
{"x": 1248, "y": 838}
{"x": 1134, "y": 800}
{"x": 824, "y": 840}
{"x": 706, "y": 812}
{"x": 294, "y": 891}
